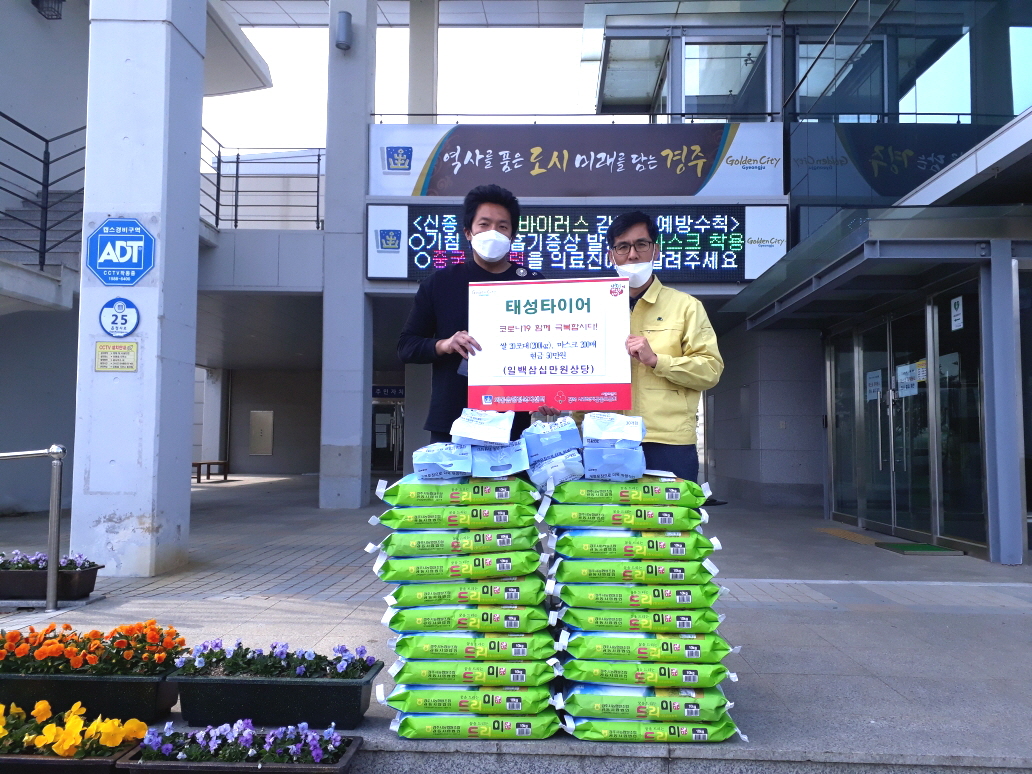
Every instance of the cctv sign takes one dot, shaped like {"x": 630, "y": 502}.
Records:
{"x": 120, "y": 252}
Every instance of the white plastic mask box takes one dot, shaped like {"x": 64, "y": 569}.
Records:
{"x": 492, "y": 461}
{"x": 442, "y": 460}
{"x": 546, "y": 440}
{"x": 612, "y": 464}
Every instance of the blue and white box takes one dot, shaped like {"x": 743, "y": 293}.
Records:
{"x": 613, "y": 430}
{"x": 493, "y": 461}
{"x": 546, "y": 440}
{"x": 603, "y": 463}
{"x": 442, "y": 460}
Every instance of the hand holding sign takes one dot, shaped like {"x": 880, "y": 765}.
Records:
{"x": 460, "y": 342}
{"x": 639, "y": 348}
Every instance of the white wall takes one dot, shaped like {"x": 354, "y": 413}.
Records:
{"x": 37, "y": 403}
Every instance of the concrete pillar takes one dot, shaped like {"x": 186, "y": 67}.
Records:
{"x": 131, "y": 491}
{"x": 418, "y": 377}
{"x": 992, "y": 94}
{"x": 212, "y": 414}
{"x": 1004, "y": 434}
{"x": 347, "y": 314}
{"x": 423, "y": 23}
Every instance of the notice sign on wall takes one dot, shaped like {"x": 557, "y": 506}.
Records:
{"x": 550, "y": 342}
{"x": 116, "y": 356}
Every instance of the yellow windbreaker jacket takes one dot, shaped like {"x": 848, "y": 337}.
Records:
{"x": 679, "y": 332}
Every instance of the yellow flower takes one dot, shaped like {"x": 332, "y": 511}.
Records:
{"x": 49, "y": 735}
{"x": 67, "y": 744}
{"x": 111, "y": 733}
{"x": 42, "y": 711}
{"x": 73, "y": 725}
{"x": 134, "y": 729}
{"x": 3, "y": 718}
{"x": 77, "y": 709}
{"x": 16, "y": 713}
{"x": 93, "y": 729}
{"x": 3, "y": 731}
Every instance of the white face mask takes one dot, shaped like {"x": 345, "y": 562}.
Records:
{"x": 637, "y": 273}
{"x": 491, "y": 245}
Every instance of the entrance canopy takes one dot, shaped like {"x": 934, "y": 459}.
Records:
{"x": 863, "y": 258}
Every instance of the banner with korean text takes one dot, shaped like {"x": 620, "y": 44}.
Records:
{"x": 550, "y": 342}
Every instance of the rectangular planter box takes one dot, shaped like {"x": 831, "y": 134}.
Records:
{"x": 32, "y": 584}
{"x": 131, "y": 763}
{"x": 274, "y": 701}
{"x": 52, "y": 764}
{"x": 144, "y": 697}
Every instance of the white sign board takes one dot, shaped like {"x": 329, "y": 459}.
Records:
{"x": 957, "y": 313}
{"x": 550, "y": 342}
{"x": 874, "y": 385}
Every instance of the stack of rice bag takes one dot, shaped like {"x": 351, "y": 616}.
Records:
{"x": 634, "y": 588}
{"x": 475, "y": 656}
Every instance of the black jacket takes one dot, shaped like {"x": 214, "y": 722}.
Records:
{"x": 442, "y": 308}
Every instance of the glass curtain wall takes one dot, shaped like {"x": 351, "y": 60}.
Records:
{"x": 726, "y": 80}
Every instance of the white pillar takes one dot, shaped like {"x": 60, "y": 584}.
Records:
{"x": 131, "y": 492}
{"x": 418, "y": 378}
{"x": 211, "y": 415}
{"x": 422, "y": 90}
{"x": 347, "y": 375}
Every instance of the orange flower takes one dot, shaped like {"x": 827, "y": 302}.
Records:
{"x": 145, "y": 656}
{"x": 70, "y": 652}
{"x": 168, "y": 642}
{"x": 160, "y": 658}
{"x": 91, "y": 659}
{"x": 50, "y": 627}
{"x": 153, "y": 636}
{"x": 3, "y": 654}
{"x": 127, "y": 654}
{"x": 40, "y": 654}
{"x": 121, "y": 643}
{"x": 67, "y": 627}
{"x": 22, "y": 650}
{"x": 76, "y": 661}
{"x": 13, "y": 636}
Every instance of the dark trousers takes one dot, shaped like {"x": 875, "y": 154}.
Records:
{"x": 682, "y": 461}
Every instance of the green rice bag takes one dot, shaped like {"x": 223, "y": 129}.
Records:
{"x": 464, "y": 698}
{"x": 646, "y": 673}
{"x": 658, "y": 621}
{"x": 648, "y": 490}
{"x": 457, "y": 517}
{"x": 651, "y": 517}
{"x": 645, "y": 646}
{"x": 540, "y": 726}
{"x": 528, "y": 590}
{"x": 443, "y": 568}
{"x": 644, "y": 703}
{"x": 412, "y": 490}
{"x": 635, "y": 597}
{"x": 475, "y": 646}
{"x": 595, "y": 730}
{"x": 624, "y": 544}
{"x": 632, "y": 571}
{"x": 457, "y": 541}
{"x": 482, "y": 673}
{"x": 477, "y": 618}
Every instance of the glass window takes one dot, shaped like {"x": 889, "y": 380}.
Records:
{"x": 846, "y": 82}
{"x": 726, "y": 79}
{"x": 935, "y": 80}
{"x": 1021, "y": 66}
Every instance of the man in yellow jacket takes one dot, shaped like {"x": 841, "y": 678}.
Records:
{"x": 673, "y": 346}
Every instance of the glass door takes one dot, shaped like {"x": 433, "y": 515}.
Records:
{"x": 843, "y": 418}
{"x": 874, "y": 344}
{"x": 911, "y": 472}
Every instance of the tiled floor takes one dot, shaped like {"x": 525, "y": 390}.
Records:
{"x": 849, "y": 652}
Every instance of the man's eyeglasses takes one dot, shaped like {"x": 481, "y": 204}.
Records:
{"x": 641, "y": 246}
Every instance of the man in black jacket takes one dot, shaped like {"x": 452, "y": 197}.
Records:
{"x": 436, "y": 329}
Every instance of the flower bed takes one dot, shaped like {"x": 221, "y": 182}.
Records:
{"x": 125, "y": 668}
{"x": 25, "y": 577}
{"x": 43, "y": 741}
{"x": 278, "y": 687}
{"x": 239, "y": 746}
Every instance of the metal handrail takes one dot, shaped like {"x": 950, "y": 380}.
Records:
{"x": 46, "y": 181}
{"x": 57, "y": 454}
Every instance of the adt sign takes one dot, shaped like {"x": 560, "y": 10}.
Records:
{"x": 120, "y": 252}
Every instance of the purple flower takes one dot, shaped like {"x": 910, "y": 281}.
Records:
{"x": 302, "y": 727}
{"x": 166, "y": 749}
{"x": 152, "y": 740}
{"x": 316, "y": 753}
{"x": 180, "y": 662}
{"x": 370, "y": 660}
{"x": 309, "y": 655}
{"x": 340, "y": 650}
{"x": 300, "y": 670}
{"x": 361, "y": 651}
{"x": 199, "y": 662}
{"x": 295, "y": 749}
{"x": 329, "y": 731}
{"x": 342, "y": 666}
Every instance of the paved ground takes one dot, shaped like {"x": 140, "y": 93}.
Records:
{"x": 850, "y": 653}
